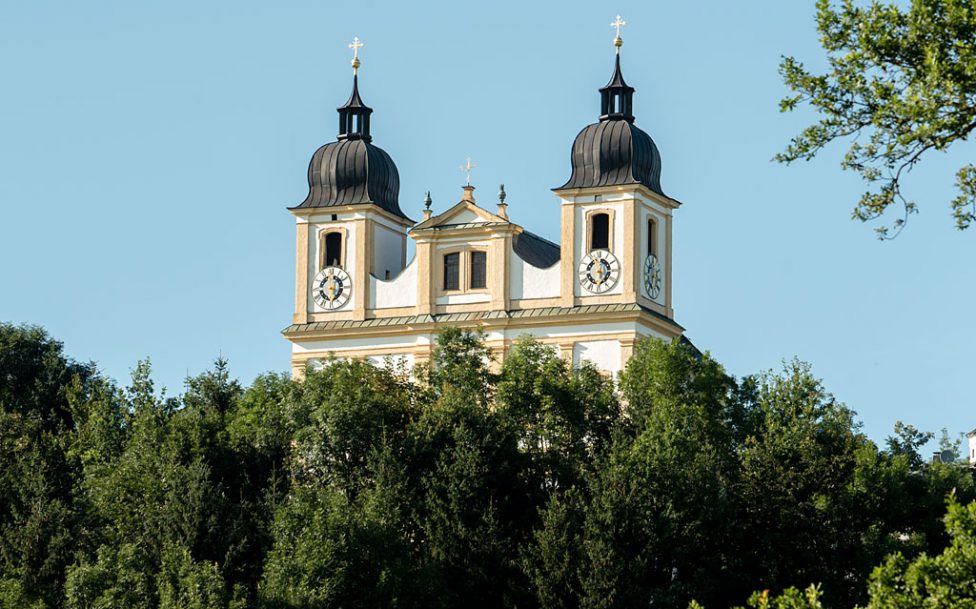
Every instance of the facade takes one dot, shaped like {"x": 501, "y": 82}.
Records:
{"x": 607, "y": 283}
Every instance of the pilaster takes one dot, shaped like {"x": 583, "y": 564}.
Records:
{"x": 567, "y": 260}
{"x": 301, "y": 273}
{"x": 628, "y": 251}
{"x": 425, "y": 296}
{"x": 667, "y": 267}
{"x": 364, "y": 249}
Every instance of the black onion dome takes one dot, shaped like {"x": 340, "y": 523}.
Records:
{"x": 613, "y": 151}
{"x": 351, "y": 170}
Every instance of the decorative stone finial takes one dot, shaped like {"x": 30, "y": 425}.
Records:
{"x": 355, "y": 46}
{"x": 427, "y": 202}
{"x": 618, "y": 23}
{"x": 502, "y": 206}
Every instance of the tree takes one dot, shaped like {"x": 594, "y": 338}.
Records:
{"x": 944, "y": 581}
{"x": 654, "y": 528}
{"x": 901, "y": 85}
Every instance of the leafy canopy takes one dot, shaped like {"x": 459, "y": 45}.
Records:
{"x": 901, "y": 84}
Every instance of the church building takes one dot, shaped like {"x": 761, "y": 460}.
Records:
{"x": 603, "y": 286}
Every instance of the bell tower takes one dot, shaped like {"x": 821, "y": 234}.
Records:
{"x": 615, "y": 218}
{"x": 351, "y": 232}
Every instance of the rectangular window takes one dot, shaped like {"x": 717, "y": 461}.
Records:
{"x": 600, "y": 231}
{"x": 651, "y": 229}
{"x": 479, "y": 270}
{"x": 333, "y": 250}
{"x": 452, "y": 271}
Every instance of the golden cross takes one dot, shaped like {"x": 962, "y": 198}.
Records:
{"x": 618, "y": 23}
{"x": 355, "y": 46}
{"x": 466, "y": 168}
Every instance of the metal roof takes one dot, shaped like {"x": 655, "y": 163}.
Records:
{"x": 449, "y": 318}
{"x": 535, "y": 250}
{"x": 352, "y": 171}
{"x": 613, "y": 153}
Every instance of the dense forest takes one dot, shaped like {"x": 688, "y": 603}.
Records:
{"x": 539, "y": 485}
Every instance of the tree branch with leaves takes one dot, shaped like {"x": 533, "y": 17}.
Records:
{"x": 901, "y": 85}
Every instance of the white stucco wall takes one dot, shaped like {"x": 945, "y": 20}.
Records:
{"x": 463, "y": 298}
{"x": 388, "y": 249}
{"x": 604, "y": 354}
{"x": 527, "y": 281}
{"x": 972, "y": 448}
{"x": 465, "y": 216}
{"x": 376, "y": 343}
{"x": 401, "y": 291}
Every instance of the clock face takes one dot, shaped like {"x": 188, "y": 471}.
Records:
{"x": 652, "y": 276}
{"x": 599, "y": 271}
{"x": 331, "y": 288}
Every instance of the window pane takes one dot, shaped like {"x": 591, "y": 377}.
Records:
{"x": 479, "y": 268}
{"x": 452, "y": 269}
{"x": 333, "y": 249}
{"x": 600, "y": 232}
{"x": 650, "y": 237}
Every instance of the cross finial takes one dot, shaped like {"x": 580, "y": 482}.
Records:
{"x": 618, "y": 23}
{"x": 355, "y": 46}
{"x": 466, "y": 168}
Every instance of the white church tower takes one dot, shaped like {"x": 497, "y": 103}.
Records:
{"x": 605, "y": 285}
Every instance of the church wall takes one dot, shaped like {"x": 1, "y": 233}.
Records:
{"x": 381, "y": 344}
{"x": 528, "y": 282}
{"x": 465, "y": 216}
{"x": 604, "y": 354}
{"x": 389, "y": 246}
{"x": 401, "y": 291}
{"x": 450, "y": 299}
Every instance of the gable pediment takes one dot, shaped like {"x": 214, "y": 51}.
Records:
{"x": 465, "y": 212}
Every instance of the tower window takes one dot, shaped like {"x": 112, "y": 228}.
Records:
{"x": 651, "y": 237}
{"x": 479, "y": 270}
{"x": 333, "y": 249}
{"x": 600, "y": 232}
{"x": 452, "y": 271}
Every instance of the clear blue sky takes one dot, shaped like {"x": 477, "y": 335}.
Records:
{"x": 148, "y": 151}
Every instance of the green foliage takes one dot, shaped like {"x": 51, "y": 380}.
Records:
{"x": 947, "y": 580}
{"x": 901, "y": 83}
{"x": 529, "y": 484}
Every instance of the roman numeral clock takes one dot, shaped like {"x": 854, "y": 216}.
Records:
{"x": 599, "y": 271}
